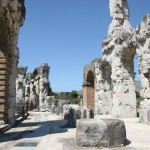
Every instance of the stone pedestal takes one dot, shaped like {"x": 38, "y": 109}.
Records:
{"x": 100, "y": 133}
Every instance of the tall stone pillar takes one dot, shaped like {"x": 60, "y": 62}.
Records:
{"x": 12, "y": 14}
{"x": 43, "y": 85}
{"x": 141, "y": 40}
{"x": 28, "y": 91}
{"x": 119, "y": 52}
{"x": 103, "y": 100}
{"x": 20, "y": 90}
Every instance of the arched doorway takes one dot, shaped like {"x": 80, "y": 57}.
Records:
{"x": 89, "y": 90}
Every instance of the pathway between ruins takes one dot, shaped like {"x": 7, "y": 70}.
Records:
{"x": 46, "y": 131}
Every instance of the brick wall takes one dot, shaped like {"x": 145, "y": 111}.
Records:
{"x": 88, "y": 96}
{"x": 3, "y": 86}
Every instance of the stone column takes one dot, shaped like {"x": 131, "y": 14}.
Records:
{"x": 34, "y": 99}
{"x": 141, "y": 40}
{"x": 27, "y": 91}
{"x": 119, "y": 52}
{"x": 43, "y": 85}
{"x": 103, "y": 100}
{"x": 20, "y": 90}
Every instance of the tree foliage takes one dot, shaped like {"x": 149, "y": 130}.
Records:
{"x": 138, "y": 98}
{"x": 52, "y": 93}
{"x": 73, "y": 96}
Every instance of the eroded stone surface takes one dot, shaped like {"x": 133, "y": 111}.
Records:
{"x": 103, "y": 99}
{"x": 119, "y": 53}
{"x": 74, "y": 114}
{"x": 100, "y": 133}
{"x": 97, "y": 87}
{"x": 20, "y": 90}
{"x": 36, "y": 90}
{"x": 12, "y": 15}
{"x": 141, "y": 40}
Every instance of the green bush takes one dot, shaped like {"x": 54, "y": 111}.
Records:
{"x": 138, "y": 98}
{"x": 73, "y": 96}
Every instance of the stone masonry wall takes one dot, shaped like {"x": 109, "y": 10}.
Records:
{"x": 103, "y": 100}
{"x": 36, "y": 88}
{"x": 141, "y": 40}
{"x": 119, "y": 52}
{"x": 12, "y": 15}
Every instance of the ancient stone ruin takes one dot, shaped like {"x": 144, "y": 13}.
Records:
{"x": 111, "y": 79}
{"x": 97, "y": 87}
{"x": 12, "y": 15}
{"x": 89, "y": 85}
{"x": 36, "y": 88}
{"x": 20, "y": 91}
{"x": 141, "y": 41}
{"x": 119, "y": 53}
{"x": 100, "y": 133}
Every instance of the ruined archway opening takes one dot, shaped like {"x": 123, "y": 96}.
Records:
{"x": 137, "y": 83}
{"x": 89, "y": 89}
{"x": 90, "y": 78}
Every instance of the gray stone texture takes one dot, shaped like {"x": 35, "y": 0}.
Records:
{"x": 43, "y": 85}
{"x": 87, "y": 113}
{"x": 12, "y": 15}
{"x": 119, "y": 53}
{"x": 141, "y": 40}
{"x": 61, "y": 103}
{"x": 100, "y": 133}
{"x": 74, "y": 114}
{"x": 36, "y": 89}
{"x": 20, "y": 90}
{"x": 103, "y": 99}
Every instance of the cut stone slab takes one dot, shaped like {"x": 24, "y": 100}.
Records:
{"x": 100, "y": 133}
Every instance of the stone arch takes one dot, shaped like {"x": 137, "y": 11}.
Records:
{"x": 90, "y": 78}
{"x": 89, "y": 86}
{"x": 89, "y": 90}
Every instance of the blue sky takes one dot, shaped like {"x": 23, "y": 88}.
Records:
{"x": 67, "y": 34}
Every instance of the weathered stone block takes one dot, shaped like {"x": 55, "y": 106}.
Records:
{"x": 74, "y": 114}
{"x": 61, "y": 103}
{"x": 100, "y": 133}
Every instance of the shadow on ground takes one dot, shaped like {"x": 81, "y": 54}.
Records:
{"x": 34, "y": 129}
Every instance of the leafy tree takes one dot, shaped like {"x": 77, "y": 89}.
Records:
{"x": 52, "y": 93}
{"x": 73, "y": 96}
{"x": 138, "y": 98}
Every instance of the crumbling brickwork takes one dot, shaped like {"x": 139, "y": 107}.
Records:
{"x": 12, "y": 15}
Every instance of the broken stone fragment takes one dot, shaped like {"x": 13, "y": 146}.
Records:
{"x": 100, "y": 133}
